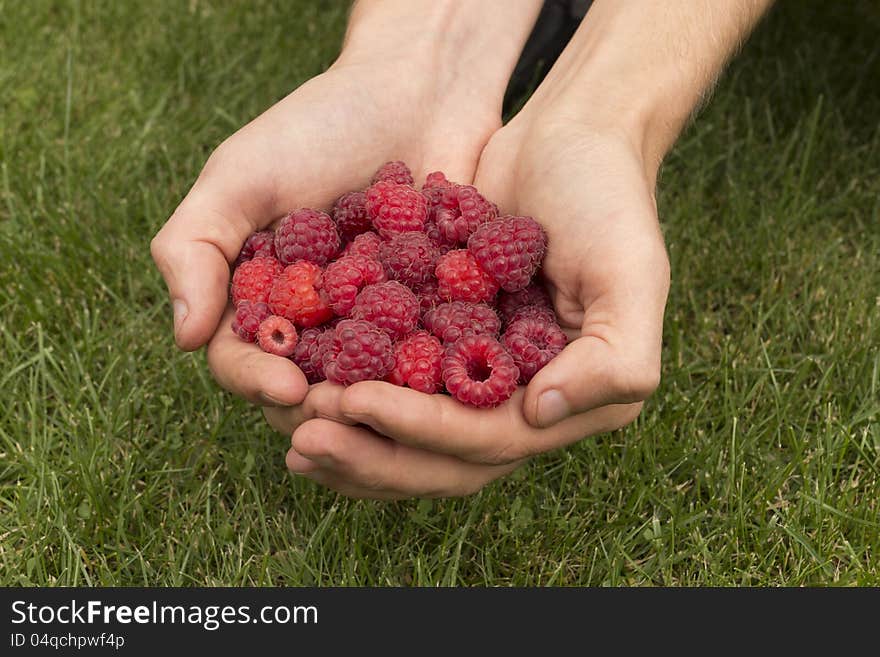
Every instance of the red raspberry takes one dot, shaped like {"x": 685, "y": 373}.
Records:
{"x": 409, "y": 258}
{"x": 478, "y": 371}
{"x": 427, "y": 296}
{"x": 417, "y": 362}
{"x": 350, "y": 215}
{"x": 366, "y": 244}
{"x": 306, "y": 234}
{"x": 533, "y": 294}
{"x": 539, "y": 313}
{"x": 460, "y": 278}
{"x": 396, "y": 172}
{"x": 356, "y": 350}
{"x": 308, "y": 354}
{"x": 390, "y": 306}
{"x": 510, "y": 249}
{"x": 395, "y": 208}
{"x": 261, "y": 243}
{"x": 277, "y": 335}
{"x": 533, "y": 343}
{"x": 297, "y": 295}
{"x": 469, "y": 209}
{"x": 253, "y": 280}
{"x": 432, "y": 190}
{"x": 345, "y": 278}
{"x": 451, "y": 321}
{"x": 432, "y": 230}
{"x": 248, "y": 316}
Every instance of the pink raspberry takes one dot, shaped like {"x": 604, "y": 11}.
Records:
{"x": 308, "y": 354}
{"x": 533, "y": 343}
{"x": 409, "y": 258}
{"x": 469, "y": 209}
{"x": 297, "y": 295}
{"x": 356, "y": 350}
{"x": 261, "y": 243}
{"x": 248, "y": 317}
{"x": 365, "y": 244}
{"x": 451, "y": 321}
{"x": 395, "y": 208}
{"x": 277, "y": 335}
{"x": 478, "y": 371}
{"x": 396, "y": 172}
{"x": 417, "y": 363}
{"x": 539, "y": 313}
{"x": 306, "y": 234}
{"x": 510, "y": 249}
{"x": 350, "y": 215}
{"x": 460, "y": 278}
{"x": 253, "y": 280}
{"x": 346, "y": 277}
{"x": 533, "y": 294}
{"x": 390, "y": 306}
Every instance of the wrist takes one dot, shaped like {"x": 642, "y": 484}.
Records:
{"x": 450, "y": 46}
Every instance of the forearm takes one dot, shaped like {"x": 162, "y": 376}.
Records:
{"x": 453, "y": 44}
{"x": 645, "y": 65}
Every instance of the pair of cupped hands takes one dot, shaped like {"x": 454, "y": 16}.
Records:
{"x": 606, "y": 268}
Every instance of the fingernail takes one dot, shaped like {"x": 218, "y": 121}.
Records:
{"x": 299, "y": 465}
{"x": 180, "y": 313}
{"x": 552, "y": 407}
{"x": 271, "y": 401}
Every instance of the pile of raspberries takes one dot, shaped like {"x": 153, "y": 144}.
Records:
{"x": 429, "y": 289}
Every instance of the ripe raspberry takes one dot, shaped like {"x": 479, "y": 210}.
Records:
{"x": 390, "y": 306}
{"x": 297, "y": 295}
{"x": 409, "y": 258}
{"x": 432, "y": 190}
{"x": 539, "y": 313}
{"x": 346, "y": 277}
{"x": 510, "y": 249}
{"x": 460, "y": 278}
{"x": 366, "y": 244}
{"x": 253, "y": 280}
{"x": 532, "y": 343}
{"x": 451, "y": 321}
{"x": 417, "y": 362}
{"x": 432, "y": 230}
{"x": 306, "y": 234}
{"x": 308, "y": 354}
{"x": 277, "y": 335}
{"x": 478, "y": 371}
{"x": 396, "y": 172}
{"x": 469, "y": 210}
{"x": 427, "y": 296}
{"x": 248, "y": 316}
{"x": 350, "y": 215}
{"x": 532, "y": 295}
{"x": 395, "y": 208}
{"x": 356, "y": 350}
{"x": 261, "y": 243}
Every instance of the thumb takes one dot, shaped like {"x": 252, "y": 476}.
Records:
{"x": 587, "y": 374}
{"x": 193, "y": 251}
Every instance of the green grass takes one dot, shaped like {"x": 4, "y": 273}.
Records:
{"x": 122, "y": 463}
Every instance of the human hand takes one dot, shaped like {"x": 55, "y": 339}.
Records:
{"x": 394, "y": 93}
{"x": 608, "y": 274}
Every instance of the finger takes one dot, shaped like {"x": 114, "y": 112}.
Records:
{"x": 372, "y": 462}
{"x": 617, "y": 358}
{"x": 346, "y": 488}
{"x": 321, "y": 398}
{"x": 245, "y": 370}
{"x": 441, "y": 424}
